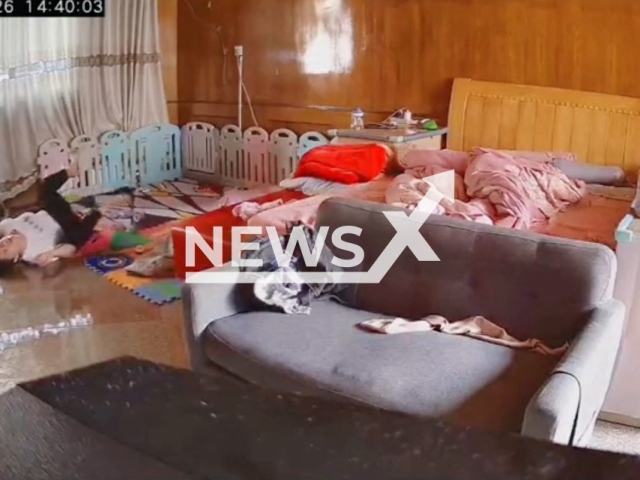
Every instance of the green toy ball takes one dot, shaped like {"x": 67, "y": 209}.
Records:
{"x": 125, "y": 240}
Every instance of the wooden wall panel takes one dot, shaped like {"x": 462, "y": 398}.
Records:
{"x": 168, "y": 21}
{"x": 600, "y": 129}
{"x": 309, "y": 62}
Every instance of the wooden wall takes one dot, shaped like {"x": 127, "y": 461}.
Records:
{"x": 168, "y": 20}
{"x": 309, "y": 62}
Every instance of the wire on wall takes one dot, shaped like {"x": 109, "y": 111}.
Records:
{"x": 218, "y": 30}
{"x": 225, "y": 52}
{"x": 246, "y": 92}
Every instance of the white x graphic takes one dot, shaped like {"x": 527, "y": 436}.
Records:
{"x": 408, "y": 228}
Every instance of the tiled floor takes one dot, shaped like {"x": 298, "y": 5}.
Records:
{"x": 123, "y": 325}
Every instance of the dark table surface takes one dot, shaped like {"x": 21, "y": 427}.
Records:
{"x": 39, "y": 443}
{"x": 219, "y": 428}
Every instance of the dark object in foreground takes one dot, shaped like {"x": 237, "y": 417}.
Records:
{"x": 38, "y": 442}
{"x": 218, "y": 428}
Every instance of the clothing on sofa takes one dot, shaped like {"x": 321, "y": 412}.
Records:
{"x": 292, "y": 297}
{"x": 475, "y": 327}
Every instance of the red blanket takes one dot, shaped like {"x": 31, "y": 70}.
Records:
{"x": 345, "y": 163}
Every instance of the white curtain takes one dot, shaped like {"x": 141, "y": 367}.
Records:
{"x": 62, "y": 77}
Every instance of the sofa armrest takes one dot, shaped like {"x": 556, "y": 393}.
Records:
{"x": 203, "y": 304}
{"x": 567, "y": 405}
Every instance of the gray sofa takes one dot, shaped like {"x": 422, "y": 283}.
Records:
{"x": 534, "y": 286}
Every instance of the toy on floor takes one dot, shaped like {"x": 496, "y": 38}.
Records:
{"x": 115, "y": 214}
{"x": 126, "y": 240}
{"x": 208, "y": 189}
{"x": 126, "y": 215}
{"x": 114, "y": 241}
{"x": 159, "y": 265}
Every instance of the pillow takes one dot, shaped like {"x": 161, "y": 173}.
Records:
{"x": 596, "y": 174}
{"x": 569, "y": 165}
{"x": 543, "y": 157}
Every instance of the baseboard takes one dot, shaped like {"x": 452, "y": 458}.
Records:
{"x": 620, "y": 419}
{"x": 200, "y": 176}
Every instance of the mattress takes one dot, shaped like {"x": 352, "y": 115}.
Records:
{"x": 305, "y": 210}
{"x": 594, "y": 219}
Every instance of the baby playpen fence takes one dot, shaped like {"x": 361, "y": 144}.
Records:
{"x": 255, "y": 157}
{"x": 156, "y": 153}
{"x": 115, "y": 159}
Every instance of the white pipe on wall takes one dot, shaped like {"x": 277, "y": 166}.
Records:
{"x": 240, "y": 61}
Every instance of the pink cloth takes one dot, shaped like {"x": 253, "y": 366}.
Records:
{"x": 447, "y": 159}
{"x": 247, "y": 210}
{"x": 429, "y": 170}
{"x": 474, "y": 327}
{"x": 523, "y": 192}
{"x": 419, "y": 164}
{"x": 409, "y": 188}
{"x": 305, "y": 210}
{"x": 282, "y": 217}
{"x": 542, "y": 157}
{"x": 501, "y": 189}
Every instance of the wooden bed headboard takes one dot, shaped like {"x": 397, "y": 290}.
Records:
{"x": 600, "y": 129}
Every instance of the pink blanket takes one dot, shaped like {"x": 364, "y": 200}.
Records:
{"x": 305, "y": 210}
{"x": 495, "y": 188}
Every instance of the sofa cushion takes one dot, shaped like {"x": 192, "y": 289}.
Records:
{"x": 530, "y": 284}
{"x": 463, "y": 380}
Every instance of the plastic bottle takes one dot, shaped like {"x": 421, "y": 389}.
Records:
{"x": 357, "y": 119}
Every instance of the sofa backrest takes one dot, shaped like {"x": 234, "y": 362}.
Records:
{"x": 530, "y": 284}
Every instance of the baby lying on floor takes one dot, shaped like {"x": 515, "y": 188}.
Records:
{"x": 50, "y": 234}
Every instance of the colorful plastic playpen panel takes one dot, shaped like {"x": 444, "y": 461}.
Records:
{"x": 116, "y": 163}
{"x": 53, "y": 156}
{"x": 255, "y": 157}
{"x": 156, "y": 153}
{"x": 149, "y": 155}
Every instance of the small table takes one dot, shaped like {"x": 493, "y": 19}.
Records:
{"x": 208, "y": 427}
{"x": 402, "y": 141}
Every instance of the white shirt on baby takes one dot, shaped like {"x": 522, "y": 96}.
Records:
{"x": 41, "y": 231}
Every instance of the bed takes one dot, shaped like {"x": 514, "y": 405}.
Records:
{"x": 599, "y": 129}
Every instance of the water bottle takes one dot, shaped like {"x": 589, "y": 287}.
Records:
{"x": 357, "y": 119}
